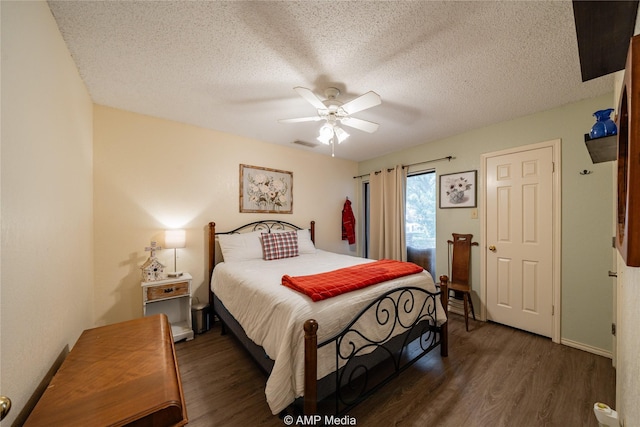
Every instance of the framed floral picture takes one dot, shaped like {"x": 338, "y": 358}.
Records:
{"x": 265, "y": 190}
{"x": 458, "y": 190}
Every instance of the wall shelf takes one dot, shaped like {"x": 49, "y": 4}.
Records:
{"x": 604, "y": 149}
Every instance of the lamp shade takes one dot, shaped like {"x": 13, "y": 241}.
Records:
{"x": 174, "y": 239}
{"x": 341, "y": 134}
{"x": 326, "y": 134}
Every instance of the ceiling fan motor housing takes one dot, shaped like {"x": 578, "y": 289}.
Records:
{"x": 331, "y": 93}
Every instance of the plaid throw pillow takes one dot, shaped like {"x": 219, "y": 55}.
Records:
{"x": 279, "y": 245}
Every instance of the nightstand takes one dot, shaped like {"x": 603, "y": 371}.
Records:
{"x": 172, "y": 297}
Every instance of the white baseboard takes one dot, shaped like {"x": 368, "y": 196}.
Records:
{"x": 563, "y": 341}
{"x": 587, "y": 348}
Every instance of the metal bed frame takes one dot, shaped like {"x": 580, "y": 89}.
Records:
{"x": 409, "y": 329}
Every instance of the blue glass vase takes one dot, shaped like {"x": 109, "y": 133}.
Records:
{"x": 604, "y": 126}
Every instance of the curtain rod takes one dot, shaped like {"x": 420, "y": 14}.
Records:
{"x": 412, "y": 164}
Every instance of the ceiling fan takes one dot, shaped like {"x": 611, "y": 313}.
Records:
{"x": 334, "y": 112}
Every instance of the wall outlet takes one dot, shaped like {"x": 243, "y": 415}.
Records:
{"x": 474, "y": 213}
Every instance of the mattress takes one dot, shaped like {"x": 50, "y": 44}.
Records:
{"x": 273, "y": 315}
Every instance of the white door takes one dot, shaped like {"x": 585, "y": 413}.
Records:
{"x": 519, "y": 239}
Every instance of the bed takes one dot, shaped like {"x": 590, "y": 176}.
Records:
{"x": 321, "y": 356}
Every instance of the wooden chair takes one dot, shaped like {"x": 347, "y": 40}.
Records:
{"x": 460, "y": 263}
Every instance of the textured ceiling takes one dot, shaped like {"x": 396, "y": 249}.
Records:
{"x": 441, "y": 68}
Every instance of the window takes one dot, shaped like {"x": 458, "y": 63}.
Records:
{"x": 420, "y": 211}
{"x": 420, "y": 219}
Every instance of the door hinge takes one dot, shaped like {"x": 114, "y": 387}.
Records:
{"x": 613, "y": 329}
{"x": 553, "y": 310}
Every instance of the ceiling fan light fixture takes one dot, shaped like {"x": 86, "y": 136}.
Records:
{"x": 335, "y": 112}
{"x": 326, "y": 134}
{"x": 325, "y": 140}
{"x": 326, "y": 129}
{"x": 341, "y": 134}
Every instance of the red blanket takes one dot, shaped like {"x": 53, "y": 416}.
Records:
{"x": 325, "y": 285}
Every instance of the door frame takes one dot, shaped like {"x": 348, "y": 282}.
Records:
{"x": 556, "y": 146}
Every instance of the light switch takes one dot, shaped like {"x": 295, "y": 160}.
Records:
{"x": 474, "y": 213}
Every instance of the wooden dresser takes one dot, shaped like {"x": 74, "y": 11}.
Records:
{"x": 124, "y": 374}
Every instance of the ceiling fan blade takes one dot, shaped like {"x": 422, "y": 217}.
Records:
{"x": 311, "y": 97}
{"x": 360, "y": 124}
{"x": 368, "y": 100}
{"x": 301, "y": 119}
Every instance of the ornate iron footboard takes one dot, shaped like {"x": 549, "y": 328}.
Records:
{"x": 366, "y": 358}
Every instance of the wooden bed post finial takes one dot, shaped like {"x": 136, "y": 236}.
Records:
{"x": 313, "y": 231}
{"x": 310, "y": 367}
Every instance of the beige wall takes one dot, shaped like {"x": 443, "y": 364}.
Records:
{"x": 586, "y": 209}
{"x": 47, "y": 244}
{"x": 152, "y": 174}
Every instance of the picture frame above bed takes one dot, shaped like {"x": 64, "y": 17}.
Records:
{"x": 265, "y": 190}
{"x": 458, "y": 190}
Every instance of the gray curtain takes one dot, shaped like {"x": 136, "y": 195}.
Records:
{"x": 386, "y": 213}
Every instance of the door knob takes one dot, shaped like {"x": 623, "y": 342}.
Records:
{"x": 5, "y": 406}
{"x": 492, "y": 248}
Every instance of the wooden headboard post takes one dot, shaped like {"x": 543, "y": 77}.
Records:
{"x": 212, "y": 258}
{"x": 313, "y": 232}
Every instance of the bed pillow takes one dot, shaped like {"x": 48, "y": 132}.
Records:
{"x": 279, "y": 245}
{"x": 305, "y": 244}
{"x": 240, "y": 246}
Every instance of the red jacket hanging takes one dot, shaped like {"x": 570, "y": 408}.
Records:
{"x": 348, "y": 223}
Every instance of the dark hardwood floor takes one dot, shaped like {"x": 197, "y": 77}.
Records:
{"x": 494, "y": 376}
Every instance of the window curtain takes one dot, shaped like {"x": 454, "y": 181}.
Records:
{"x": 387, "y": 238}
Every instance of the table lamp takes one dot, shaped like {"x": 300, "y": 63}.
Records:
{"x": 174, "y": 239}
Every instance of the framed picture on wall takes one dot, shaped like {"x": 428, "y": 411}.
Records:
{"x": 458, "y": 190}
{"x": 265, "y": 190}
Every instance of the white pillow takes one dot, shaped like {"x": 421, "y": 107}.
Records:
{"x": 305, "y": 244}
{"x": 241, "y": 247}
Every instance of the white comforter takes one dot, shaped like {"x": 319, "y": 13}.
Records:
{"x": 273, "y": 315}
